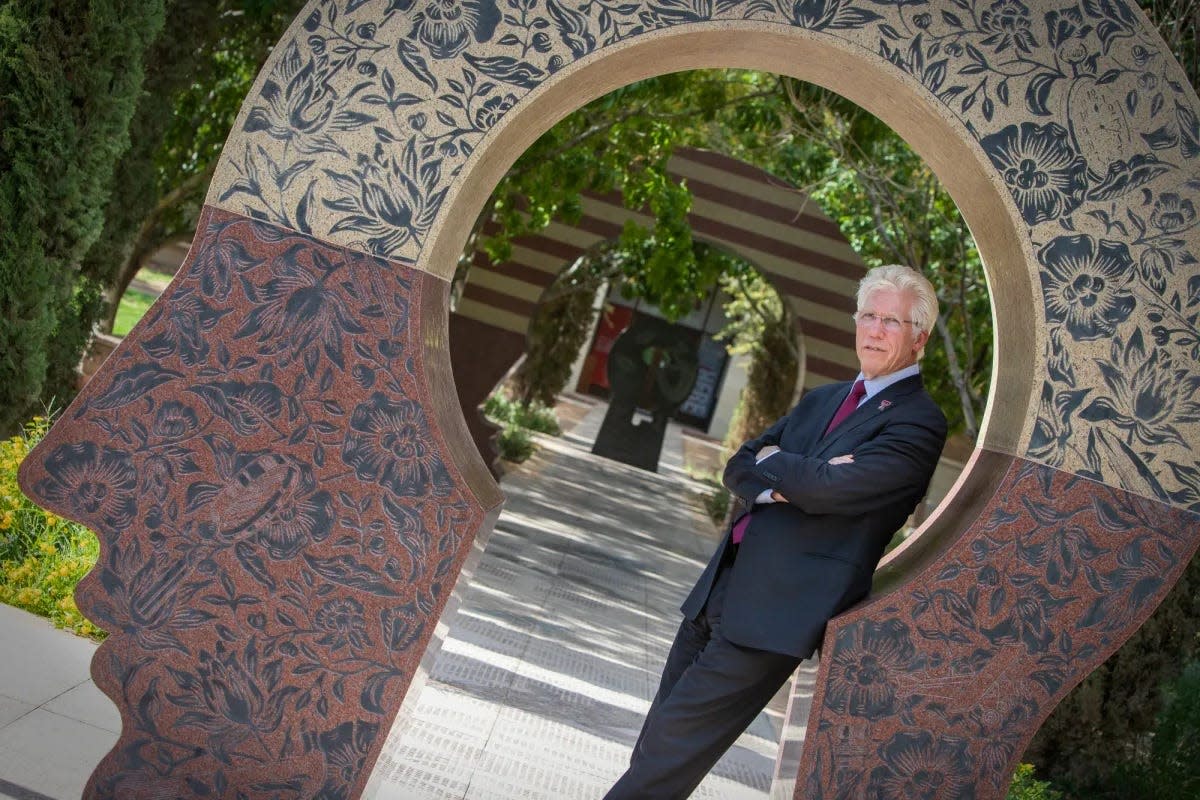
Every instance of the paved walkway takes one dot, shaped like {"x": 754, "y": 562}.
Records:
{"x": 545, "y": 672}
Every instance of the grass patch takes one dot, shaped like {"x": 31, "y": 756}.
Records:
{"x": 42, "y": 555}
{"x": 155, "y": 277}
{"x": 134, "y": 305}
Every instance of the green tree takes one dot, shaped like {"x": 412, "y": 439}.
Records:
{"x": 893, "y": 209}
{"x": 887, "y": 202}
{"x": 70, "y": 75}
{"x": 197, "y": 75}
{"x": 621, "y": 143}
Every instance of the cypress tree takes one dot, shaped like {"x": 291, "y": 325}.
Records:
{"x": 70, "y": 75}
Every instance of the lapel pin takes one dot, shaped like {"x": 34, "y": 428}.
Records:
{"x": 885, "y": 405}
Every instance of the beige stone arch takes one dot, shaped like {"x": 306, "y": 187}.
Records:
{"x": 289, "y": 401}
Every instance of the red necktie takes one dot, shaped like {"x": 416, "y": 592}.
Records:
{"x": 844, "y": 410}
{"x": 848, "y": 405}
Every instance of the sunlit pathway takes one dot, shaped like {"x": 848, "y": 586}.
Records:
{"x": 548, "y": 668}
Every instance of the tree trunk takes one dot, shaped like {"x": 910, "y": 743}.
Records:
{"x": 150, "y": 237}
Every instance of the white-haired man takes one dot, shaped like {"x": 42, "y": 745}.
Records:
{"x": 823, "y": 489}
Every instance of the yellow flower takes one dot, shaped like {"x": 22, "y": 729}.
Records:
{"x": 29, "y": 595}
{"x": 6, "y": 521}
{"x": 47, "y": 548}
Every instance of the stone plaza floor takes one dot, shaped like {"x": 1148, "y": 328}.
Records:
{"x": 544, "y": 674}
{"x": 551, "y": 662}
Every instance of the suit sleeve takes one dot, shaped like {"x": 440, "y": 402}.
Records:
{"x": 741, "y": 476}
{"x": 894, "y": 464}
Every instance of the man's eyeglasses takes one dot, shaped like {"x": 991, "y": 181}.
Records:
{"x": 867, "y": 319}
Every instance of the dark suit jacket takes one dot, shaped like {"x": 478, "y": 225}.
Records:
{"x": 803, "y": 561}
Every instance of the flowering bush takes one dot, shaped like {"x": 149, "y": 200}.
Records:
{"x": 42, "y": 555}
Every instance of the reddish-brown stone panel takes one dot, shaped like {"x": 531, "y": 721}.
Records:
{"x": 943, "y": 682}
{"x": 280, "y": 526}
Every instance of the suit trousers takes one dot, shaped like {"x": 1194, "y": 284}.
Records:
{"x": 710, "y": 692}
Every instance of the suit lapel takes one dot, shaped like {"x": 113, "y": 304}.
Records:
{"x": 815, "y": 424}
{"x": 881, "y": 403}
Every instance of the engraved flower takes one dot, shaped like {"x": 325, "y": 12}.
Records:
{"x": 296, "y": 517}
{"x": 345, "y": 748}
{"x": 488, "y": 114}
{"x": 916, "y": 766}
{"x": 1066, "y": 32}
{"x": 1172, "y": 213}
{"x": 299, "y": 308}
{"x": 140, "y": 596}
{"x": 158, "y": 477}
{"x": 1085, "y": 285}
{"x": 390, "y": 200}
{"x": 184, "y": 330}
{"x": 1026, "y": 618}
{"x": 822, "y": 14}
{"x": 296, "y": 111}
{"x": 341, "y": 622}
{"x": 1046, "y": 176}
{"x": 1009, "y": 24}
{"x": 446, "y": 27}
{"x": 95, "y": 485}
{"x": 232, "y": 698}
{"x": 390, "y": 443}
{"x": 174, "y": 421}
{"x": 1002, "y": 734}
{"x": 866, "y": 657}
{"x": 1149, "y": 395}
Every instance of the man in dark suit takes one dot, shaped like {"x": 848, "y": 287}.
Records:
{"x": 825, "y": 489}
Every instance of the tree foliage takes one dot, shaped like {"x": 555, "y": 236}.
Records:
{"x": 893, "y": 209}
{"x": 887, "y": 202}
{"x": 70, "y": 76}
{"x": 620, "y": 144}
{"x": 198, "y": 72}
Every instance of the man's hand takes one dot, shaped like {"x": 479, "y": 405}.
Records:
{"x": 846, "y": 459}
{"x": 766, "y": 451}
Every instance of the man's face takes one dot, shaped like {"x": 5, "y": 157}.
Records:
{"x": 882, "y": 351}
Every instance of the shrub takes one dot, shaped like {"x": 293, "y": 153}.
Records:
{"x": 1175, "y": 753}
{"x": 534, "y": 417}
{"x": 537, "y": 417}
{"x": 42, "y": 555}
{"x": 514, "y": 444}
{"x": 1026, "y": 787}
